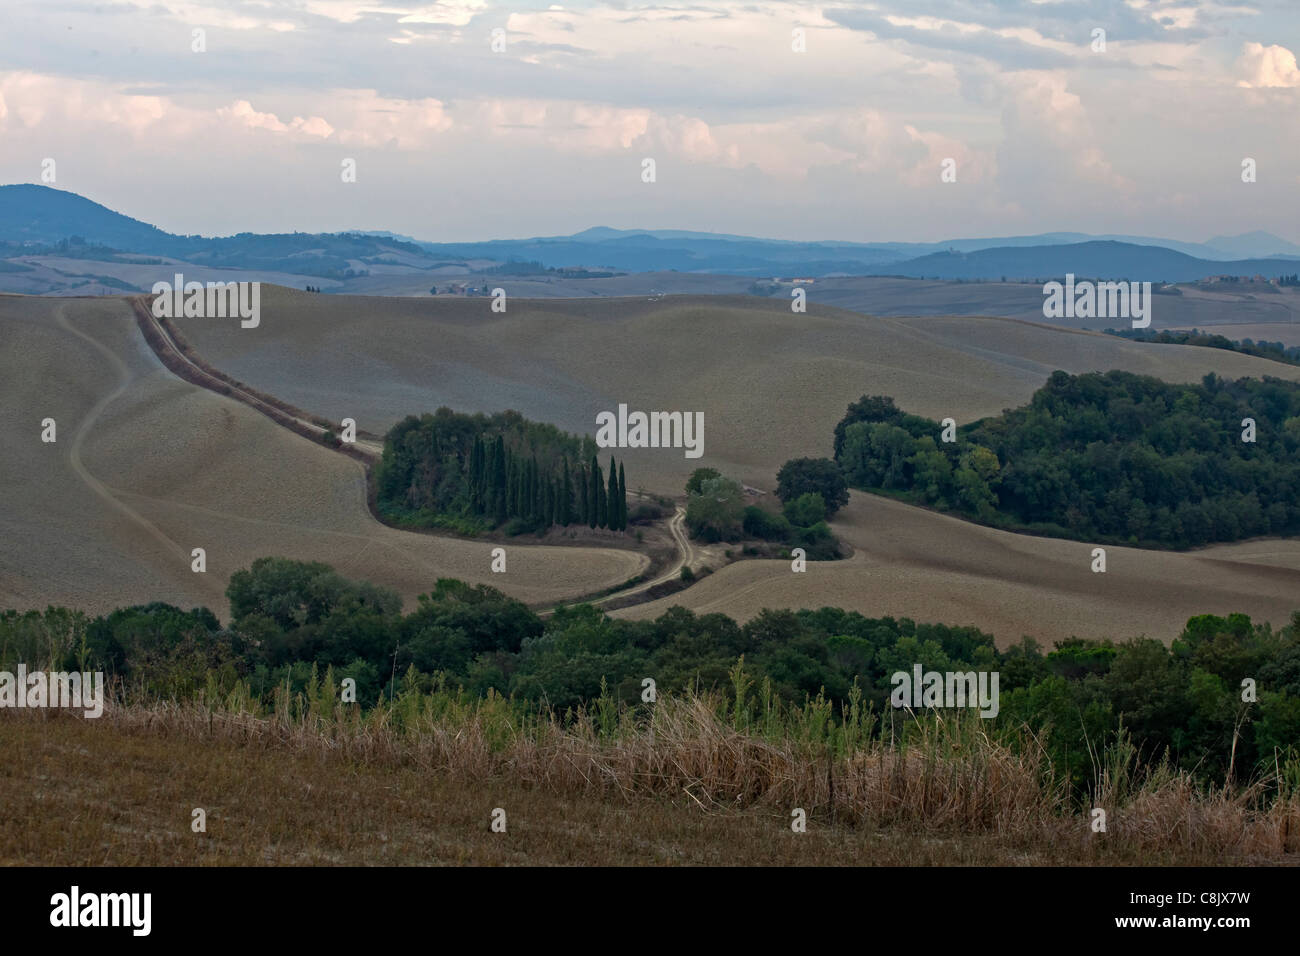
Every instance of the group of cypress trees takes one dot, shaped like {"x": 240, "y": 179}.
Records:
{"x": 448, "y": 469}
{"x": 504, "y": 485}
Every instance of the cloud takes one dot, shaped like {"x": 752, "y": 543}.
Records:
{"x": 52, "y": 103}
{"x": 1049, "y": 142}
{"x": 242, "y": 112}
{"x": 367, "y": 119}
{"x": 449, "y": 12}
{"x": 1263, "y": 66}
{"x": 844, "y": 138}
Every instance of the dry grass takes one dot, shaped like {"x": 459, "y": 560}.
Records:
{"x": 697, "y": 781}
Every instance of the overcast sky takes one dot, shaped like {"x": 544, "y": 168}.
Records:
{"x": 844, "y": 141}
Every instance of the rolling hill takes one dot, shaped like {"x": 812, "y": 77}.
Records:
{"x": 771, "y": 386}
{"x": 147, "y": 467}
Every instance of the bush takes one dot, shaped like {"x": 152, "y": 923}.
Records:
{"x": 645, "y": 514}
{"x": 769, "y": 527}
{"x": 698, "y": 477}
{"x": 806, "y": 510}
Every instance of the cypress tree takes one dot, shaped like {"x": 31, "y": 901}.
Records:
{"x": 565, "y": 515}
{"x": 477, "y": 473}
{"x": 521, "y": 487}
{"x": 472, "y": 489}
{"x": 499, "y": 479}
{"x": 537, "y": 502}
{"x": 595, "y": 496}
{"x": 584, "y": 507}
{"x": 526, "y": 489}
{"x": 611, "y": 507}
{"x": 622, "y": 498}
{"x": 512, "y": 484}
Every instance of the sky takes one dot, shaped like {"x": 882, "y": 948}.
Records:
{"x": 786, "y": 120}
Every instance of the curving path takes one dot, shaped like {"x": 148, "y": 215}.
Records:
{"x": 87, "y": 423}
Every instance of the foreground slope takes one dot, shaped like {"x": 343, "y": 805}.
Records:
{"x": 147, "y": 467}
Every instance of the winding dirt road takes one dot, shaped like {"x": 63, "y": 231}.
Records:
{"x": 686, "y": 552}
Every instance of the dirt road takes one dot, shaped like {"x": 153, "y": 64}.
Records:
{"x": 370, "y": 449}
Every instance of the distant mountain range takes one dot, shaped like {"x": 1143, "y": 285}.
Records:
{"x": 38, "y": 218}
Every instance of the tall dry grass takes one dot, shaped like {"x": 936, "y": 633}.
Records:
{"x": 932, "y": 775}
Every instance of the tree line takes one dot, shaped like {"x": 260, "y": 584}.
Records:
{"x": 292, "y": 622}
{"x": 1277, "y": 351}
{"x": 1109, "y": 457}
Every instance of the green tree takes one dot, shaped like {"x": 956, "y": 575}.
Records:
{"x": 584, "y": 497}
{"x": 596, "y": 495}
{"x": 932, "y": 472}
{"x": 698, "y": 477}
{"x": 799, "y": 476}
{"x": 806, "y": 510}
{"x": 622, "y": 498}
{"x": 565, "y": 511}
{"x": 612, "y": 509}
{"x": 716, "y": 513}
{"x": 500, "y": 472}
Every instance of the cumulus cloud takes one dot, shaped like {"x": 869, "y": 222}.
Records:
{"x": 242, "y": 112}
{"x": 1049, "y": 140}
{"x": 1262, "y": 66}
{"x": 50, "y": 102}
{"x": 453, "y": 12}
{"x": 367, "y": 119}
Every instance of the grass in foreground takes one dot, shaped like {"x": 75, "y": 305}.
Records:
{"x": 324, "y": 785}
